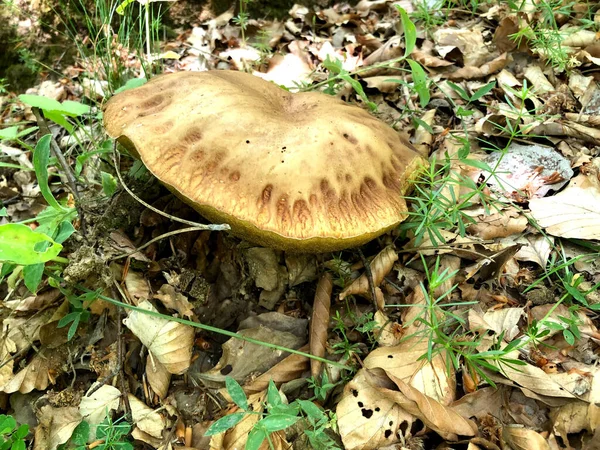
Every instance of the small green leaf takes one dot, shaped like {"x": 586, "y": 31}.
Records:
{"x": 17, "y": 245}
{"x": 7, "y": 424}
{"x": 423, "y": 124}
{"x": 18, "y": 445}
{"x": 311, "y": 410}
{"x": 124, "y": 4}
{"x": 67, "y": 108}
{"x": 81, "y": 433}
{"x": 237, "y": 393}
{"x": 65, "y": 230}
{"x": 32, "y": 276}
{"x": 9, "y": 134}
{"x": 134, "y": 82}
{"x": 483, "y": 90}
{"x": 255, "y": 438}
{"x": 420, "y": 82}
{"x": 569, "y": 337}
{"x": 41, "y": 156}
{"x": 410, "y": 32}
{"x": 224, "y": 423}
{"x": 459, "y": 90}
{"x": 273, "y": 397}
{"x": 109, "y": 184}
{"x": 3, "y": 212}
{"x": 276, "y": 422}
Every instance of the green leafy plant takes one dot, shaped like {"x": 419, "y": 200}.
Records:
{"x": 110, "y": 435}
{"x": 275, "y": 416}
{"x": 79, "y": 311}
{"x": 242, "y": 18}
{"x": 12, "y": 437}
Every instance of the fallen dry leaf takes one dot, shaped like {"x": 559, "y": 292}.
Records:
{"x": 367, "y": 417}
{"x": 158, "y": 377}
{"x": 288, "y": 369}
{"x": 521, "y": 438}
{"x": 95, "y": 407}
{"x": 55, "y": 426}
{"x": 145, "y": 418}
{"x": 170, "y": 342}
{"x": 572, "y": 213}
{"x": 442, "y": 419}
{"x": 381, "y": 265}
{"x": 319, "y": 322}
{"x": 404, "y": 362}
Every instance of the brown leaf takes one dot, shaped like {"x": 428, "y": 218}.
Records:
{"x": 381, "y": 265}
{"x": 472, "y": 73}
{"x": 442, "y": 419}
{"x": 367, "y": 417}
{"x": 507, "y": 27}
{"x": 404, "y": 362}
{"x": 319, "y": 322}
{"x": 521, "y": 438}
{"x": 286, "y": 370}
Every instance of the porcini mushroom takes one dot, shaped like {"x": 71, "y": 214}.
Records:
{"x": 301, "y": 172}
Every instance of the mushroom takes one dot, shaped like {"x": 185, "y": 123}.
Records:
{"x": 300, "y": 172}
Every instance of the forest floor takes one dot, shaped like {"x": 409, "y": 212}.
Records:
{"x": 472, "y": 325}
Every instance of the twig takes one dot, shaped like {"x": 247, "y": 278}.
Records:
{"x": 71, "y": 180}
{"x": 157, "y": 238}
{"x": 200, "y": 226}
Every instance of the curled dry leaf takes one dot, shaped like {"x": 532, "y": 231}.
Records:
{"x": 158, "y": 377}
{"x": 170, "y": 342}
{"x": 35, "y": 374}
{"x": 572, "y": 213}
{"x": 468, "y": 41}
{"x": 521, "y": 438}
{"x": 538, "y": 80}
{"x": 381, "y": 265}
{"x": 94, "y": 407}
{"x": 505, "y": 321}
{"x": 423, "y": 138}
{"x": 367, "y": 418}
{"x": 241, "y": 358}
{"x": 571, "y": 418}
{"x": 319, "y": 322}
{"x": 55, "y": 426}
{"x": 388, "y": 333}
{"x": 174, "y": 300}
{"x": 137, "y": 287}
{"x": 23, "y": 331}
{"x": 404, "y": 362}
{"x": 536, "y": 248}
{"x": 472, "y": 73}
{"x": 145, "y": 418}
{"x": 531, "y": 379}
{"x": 566, "y": 128}
{"x": 594, "y": 406}
{"x": 442, "y": 419}
{"x": 288, "y": 369}
{"x": 7, "y": 348}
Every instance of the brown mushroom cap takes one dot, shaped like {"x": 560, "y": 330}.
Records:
{"x": 303, "y": 172}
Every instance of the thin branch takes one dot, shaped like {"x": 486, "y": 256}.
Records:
{"x": 199, "y": 226}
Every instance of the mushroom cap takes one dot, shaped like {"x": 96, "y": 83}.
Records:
{"x": 301, "y": 172}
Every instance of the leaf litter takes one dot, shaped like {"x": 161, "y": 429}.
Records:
{"x": 475, "y": 322}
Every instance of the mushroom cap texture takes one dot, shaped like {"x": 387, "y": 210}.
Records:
{"x": 301, "y": 172}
